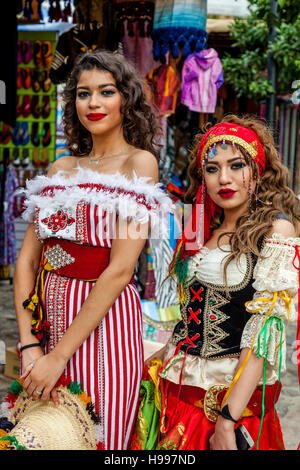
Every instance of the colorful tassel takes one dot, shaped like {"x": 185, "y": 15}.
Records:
{"x": 39, "y": 327}
{"x": 11, "y": 442}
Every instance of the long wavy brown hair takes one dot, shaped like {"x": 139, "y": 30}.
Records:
{"x": 140, "y": 123}
{"x": 272, "y": 187}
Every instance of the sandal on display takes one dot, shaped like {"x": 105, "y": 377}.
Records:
{"x": 40, "y": 10}
{"x": 35, "y": 136}
{"x": 66, "y": 11}
{"x": 27, "y": 11}
{"x": 6, "y": 134}
{"x": 37, "y": 53}
{"x": 19, "y": 78}
{"x": 26, "y": 78}
{"x": 36, "y": 157}
{"x": 24, "y": 134}
{"x": 16, "y": 157}
{"x": 46, "y": 80}
{"x": 46, "y": 106}
{"x": 16, "y": 134}
{"x": 55, "y": 11}
{"x": 26, "y": 51}
{"x": 45, "y": 158}
{"x": 47, "y": 54}
{"x": 35, "y": 80}
{"x": 6, "y": 155}
{"x": 35, "y": 11}
{"x": 25, "y": 108}
{"x": 35, "y": 106}
{"x": 18, "y": 108}
{"x": 19, "y": 53}
{"x": 46, "y": 134}
{"x": 25, "y": 158}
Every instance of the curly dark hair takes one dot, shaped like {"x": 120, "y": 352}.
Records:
{"x": 140, "y": 123}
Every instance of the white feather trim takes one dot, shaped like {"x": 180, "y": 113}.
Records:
{"x": 126, "y": 205}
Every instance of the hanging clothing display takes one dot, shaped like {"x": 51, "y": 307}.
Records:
{"x": 149, "y": 292}
{"x": 202, "y": 76}
{"x": 164, "y": 86}
{"x": 179, "y": 24}
{"x": 87, "y": 11}
{"x": 134, "y": 24}
{"x": 8, "y": 252}
{"x": 81, "y": 38}
{"x": 162, "y": 253}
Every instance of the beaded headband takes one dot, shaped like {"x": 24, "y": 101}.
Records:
{"x": 236, "y": 134}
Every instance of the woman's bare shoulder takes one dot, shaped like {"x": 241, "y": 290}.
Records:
{"x": 66, "y": 163}
{"x": 143, "y": 163}
{"x": 284, "y": 227}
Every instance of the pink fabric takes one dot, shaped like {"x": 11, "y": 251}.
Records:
{"x": 138, "y": 50}
{"x": 202, "y": 75}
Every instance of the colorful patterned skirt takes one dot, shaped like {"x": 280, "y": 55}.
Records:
{"x": 184, "y": 422}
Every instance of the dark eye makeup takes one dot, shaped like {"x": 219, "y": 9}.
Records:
{"x": 238, "y": 165}
{"x": 84, "y": 94}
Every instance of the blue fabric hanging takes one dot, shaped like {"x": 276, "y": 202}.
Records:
{"x": 179, "y": 24}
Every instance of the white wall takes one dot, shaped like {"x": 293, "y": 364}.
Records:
{"x": 227, "y": 7}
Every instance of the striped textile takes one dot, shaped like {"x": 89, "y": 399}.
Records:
{"x": 179, "y": 25}
{"x": 165, "y": 290}
{"x": 109, "y": 364}
{"x": 180, "y": 13}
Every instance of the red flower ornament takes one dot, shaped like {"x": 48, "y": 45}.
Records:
{"x": 58, "y": 221}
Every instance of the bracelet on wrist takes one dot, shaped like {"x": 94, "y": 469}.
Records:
{"x": 225, "y": 413}
{"x": 32, "y": 345}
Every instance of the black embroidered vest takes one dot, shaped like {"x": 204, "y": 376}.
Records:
{"x": 213, "y": 321}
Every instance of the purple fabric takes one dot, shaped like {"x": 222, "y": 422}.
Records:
{"x": 202, "y": 76}
{"x": 8, "y": 250}
{"x": 138, "y": 50}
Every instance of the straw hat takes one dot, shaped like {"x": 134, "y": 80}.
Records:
{"x": 43, "y": 425}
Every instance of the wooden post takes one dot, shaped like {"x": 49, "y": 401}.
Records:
{"x": 296, "y": 186}
{"x": 272, "y": 73}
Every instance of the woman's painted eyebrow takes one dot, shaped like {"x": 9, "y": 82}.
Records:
{"x": 215, "y": 162}
{"x": 100, "y": 86}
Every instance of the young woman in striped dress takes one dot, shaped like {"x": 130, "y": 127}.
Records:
{"x": 88, "y": 222}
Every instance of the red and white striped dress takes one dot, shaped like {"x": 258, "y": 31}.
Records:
{"x": 109, "y": 364}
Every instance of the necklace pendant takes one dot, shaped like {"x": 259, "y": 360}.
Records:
{"x": 94, "y": 162}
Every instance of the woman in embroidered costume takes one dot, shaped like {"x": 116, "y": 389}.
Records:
{"x": 237, "y": 268}
{"x": 89, "y": 219}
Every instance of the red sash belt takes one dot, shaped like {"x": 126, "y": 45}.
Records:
{"x": 74, "y": 260}
{"x": 67, "y": 259}
{"x": 212, "y": 398}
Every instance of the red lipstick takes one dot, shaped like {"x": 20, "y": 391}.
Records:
{"x": 95, "y": 116}
{"x": 226, "y": 193}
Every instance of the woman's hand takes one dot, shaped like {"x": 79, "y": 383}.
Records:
{"x": 224, "y": 436}
{"x": 43, "y": 376}
{"x": 30, "y": 356}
